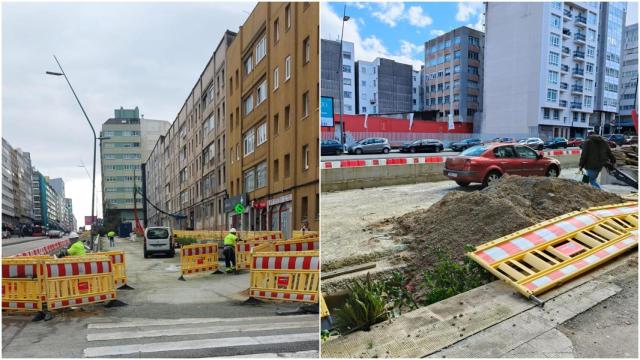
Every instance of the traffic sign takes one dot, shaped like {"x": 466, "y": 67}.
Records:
{"x": 239, "y": 208}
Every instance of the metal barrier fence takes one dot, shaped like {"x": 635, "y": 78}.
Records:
{"x": 198, "y": 258}
{"x": 293, "y": 276}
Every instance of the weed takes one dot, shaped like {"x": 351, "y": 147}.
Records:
{"x": 365, "y": 306}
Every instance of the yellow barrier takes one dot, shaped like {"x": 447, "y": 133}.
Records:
{"x": 74, "y": 281}
{"x": 243, "y": 253}
{"x": 293, "y": 276}
{"x": 300, "y": 234}
{"x": 119, "y": 267}
{"x": 198, "y": 258}
{"x": 324, "y": 310}
{"x": 219, "y": 234}
{"x": 22, "y": 284}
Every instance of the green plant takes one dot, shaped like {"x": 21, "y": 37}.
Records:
{"x": 324, "y": 335}
{"x": 185, "y": 241}
{"x": 398, "y": 293}
{"x": 450, "y": 277}
{"x": 365, "y": 306}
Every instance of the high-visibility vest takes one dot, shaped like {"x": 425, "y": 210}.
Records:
{"x": 230, "y": 240}
{"x": 77, "y": 249}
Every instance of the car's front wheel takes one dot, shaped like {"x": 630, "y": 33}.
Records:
{"x": 553, "y": 171}
{"x": 412, "y": 149}
{"x": 491, "y": 177}
{"x": 386, "y": 150}
{"x": 358, "y": 151}
{"x": 338, "y": 152}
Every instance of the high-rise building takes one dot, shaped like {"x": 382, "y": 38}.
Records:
{"x": 459, "y": 52}
{"x": 17, "y": 194}
{"x": 186, "y": 172}
{"x": 330, "y": 74}
{"x": 384, "y": 87}
{"x": 546, "y": 87}
{"x": 131, "y": 139}
{"x": 607, "y": 85}
{"x": 629, "y": 77}
{"x": 416, "y": 94}
{"x": 273, "y": 100}
{"x": 58, "y": 185}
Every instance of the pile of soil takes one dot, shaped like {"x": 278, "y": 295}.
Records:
{"x": 474, "y": 218}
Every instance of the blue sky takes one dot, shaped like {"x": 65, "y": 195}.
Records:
{"x": 398, "y": 30}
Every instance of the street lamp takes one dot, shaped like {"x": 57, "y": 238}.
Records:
{"x": 345, "y": 18}
{"x": 95, "y": 137}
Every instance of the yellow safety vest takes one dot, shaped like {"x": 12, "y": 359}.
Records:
{"x": 230, "y": 240}
{"x": 77, "y": 249}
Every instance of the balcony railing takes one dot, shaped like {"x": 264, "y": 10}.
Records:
{"x": 580, "y": 37}
{"x": 567, "y": 13}
{"x": 564, "y": 86}
{"x": 566, "y": 32}
{"x": 564, "y": 68}
{"x": 576, "y": 88}
{"x": 578, "y": 71}
{"x": 566, "y": 50}
{"x": 581, "y": 19}
{"x": 578, "y": 54}
{"x": 562, "y": 103}
{"x": 576, "y": 105}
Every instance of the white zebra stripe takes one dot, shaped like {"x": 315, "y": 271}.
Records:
{"x": 169, "y": 322}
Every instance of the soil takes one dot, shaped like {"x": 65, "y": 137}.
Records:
{"x": 474, "y": 218}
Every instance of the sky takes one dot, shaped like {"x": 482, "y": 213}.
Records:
{"x": 398, "y": 30}
{"x": 115, "y": 54}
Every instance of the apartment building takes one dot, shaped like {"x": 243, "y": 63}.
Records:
{"x": 186, "y": 172}
{"x": 453, "y": 74}
{"x": 330, "y": 74}
{"x": 130, "y": 139}
{"x": 607, "y": 86}
{"x": 273, "y": 100}
{"x": 546, "y": 87}
{"x": 17, "y": 195}
{"x": 384, "y": 87}
{"x": 628, "y": 77}
{"x": 416, "y": 90}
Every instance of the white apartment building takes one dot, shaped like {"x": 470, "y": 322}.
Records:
{"x": 416, "y": 98}
{"x": 348, "y": 78}
{"x": 367, "y": 87}
{"x": 540, "y": 68}
{"x": 629, "y": 76}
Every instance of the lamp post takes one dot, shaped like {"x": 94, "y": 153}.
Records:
{"x": 345, "y": 18}
{"x": 95, "y": 137}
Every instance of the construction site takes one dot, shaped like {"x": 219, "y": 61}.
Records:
{"x": 425, "y": 250}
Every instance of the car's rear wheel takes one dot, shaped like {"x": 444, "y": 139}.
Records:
{"x": 386, "y": 150}
{"x": 491, "y": 177}
{"x": 463, "y": 183}
{"x": 553, "y": 171}
{"x": 358, "y": 151}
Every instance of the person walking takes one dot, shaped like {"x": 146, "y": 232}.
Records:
{"x": 596, "y": 154}
{"x": 112, "y": 241}
{"x": 229, "y": 251}
{"x": 77, "y": 246}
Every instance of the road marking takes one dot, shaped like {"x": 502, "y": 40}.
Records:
{"x": 311, "y": 354}
{"x": 103, "y": 351}
{"x": 137, "y": 334}
{"x": 164, "y": 322}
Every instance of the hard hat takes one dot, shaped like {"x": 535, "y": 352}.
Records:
{"x": 73, "y": 235}
{"x": 232, "y": 230}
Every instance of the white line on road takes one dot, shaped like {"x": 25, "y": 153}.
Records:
{"x": 198, "y": 344}
{"x": 189, "y": 321}
{"x": 137, "y": 334}
{"x": 311, "y": 354}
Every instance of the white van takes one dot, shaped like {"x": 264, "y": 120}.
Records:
{"x": 158, "y": 239}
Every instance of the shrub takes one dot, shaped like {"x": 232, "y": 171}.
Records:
{"x": 186, "y": 241}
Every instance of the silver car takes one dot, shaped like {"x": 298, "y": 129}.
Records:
{"x": 370, "y": 146}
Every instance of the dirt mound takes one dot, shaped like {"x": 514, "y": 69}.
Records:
{"x": 508, "y": 205}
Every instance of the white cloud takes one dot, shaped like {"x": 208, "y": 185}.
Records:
{"x": 416, "y": 17}
{"x": 437, "y": 32}
{"x": 479, "y": 25}
{"x": 390, "y": 13}
{"x": 466, "y": 10}
{"x": 407, "y": 48}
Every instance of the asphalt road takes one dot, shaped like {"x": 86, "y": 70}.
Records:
{"x": 204, "y": 316}
{"x": 14, "y": 246}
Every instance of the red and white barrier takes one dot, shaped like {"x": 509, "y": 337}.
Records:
{"x": 47, "y": 249}
{"x": 285, "y": 263}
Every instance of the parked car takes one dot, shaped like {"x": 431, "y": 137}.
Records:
{"x": 632, "y": 140}
{"x": 54, "y": 234}
{"x": 465, "y": 144}
{"x": 534, "y": 143}
{"x": 158, "y": 239}
{"x": 556, "y": 143}
{"x": 575, "y": 142}
{"x": 331, "y": 147}
{"x": 370, "y": 146}
{"x": 506, "y": 140}
{"x": 619, "y": 139}
{"x": 424, "y": 145}
{"x": 486, "y": 163}
{"x": 6, "y": 232}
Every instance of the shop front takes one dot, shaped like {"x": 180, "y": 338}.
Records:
{"x": 280, "y": 211}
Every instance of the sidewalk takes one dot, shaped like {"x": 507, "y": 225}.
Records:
{"x": 14, "y": 240}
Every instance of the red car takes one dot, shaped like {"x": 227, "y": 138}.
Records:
{"x": 575, "y": 142}
{"x": 486, "y": 163}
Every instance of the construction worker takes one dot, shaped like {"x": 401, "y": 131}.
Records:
{"x": 112, "y": 241}
{"x": 229, "y": 250}
{"x": 77, "y": 245}
{"x": 596, "y": 154}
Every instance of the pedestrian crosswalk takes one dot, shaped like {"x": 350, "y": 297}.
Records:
{"x": 282, "y": 336}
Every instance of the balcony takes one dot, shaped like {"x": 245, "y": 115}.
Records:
{"x": 577, "y": 72}
{"x": 562, "y": 103}
{"x": 580, "y": 37}
{"x": 567, "y": 14}
{"x": 576, "y": 105}
{"x": 566, "y": 32}
{"x": 565, "y": 51}
{"x": 578, "y": 55}
{"x": 581, "y": 21}
{"x": 564, "y": 68}
{"x": 576, "y": 88}
{"x": 564, "y": 86}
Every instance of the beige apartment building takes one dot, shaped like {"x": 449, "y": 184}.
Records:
{"x": 273, "y": 103}
{"x": 186, "y": 172}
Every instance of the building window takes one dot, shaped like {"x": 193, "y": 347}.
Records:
{"x": 276, "y": 170}
{"x": 262, "y": 133}
{"x": 347, "y": 94}
{"x": 555, "y": 21}
{"x": 472, "y": 55}
{"x": 588, "y": 101}
{"x": 248, "y": 104}
{"x": 306, "y": 50}
{"x": 287, "y": 17}
{"x": 287, "y": 121}
{"x": 276, "y": 31}
{"x": 287, "y": 68}
{"x": 346, "y": 81}
{"x": 287, "y": 166}
{"x": 556, "y": 114}
{"x": 261, "y": 49}
{"x": 346, "y": 69}
{"x": 456, "y": 69}
{"x": 554, "y": 40}
{"x": 589, "y": 68}
{"x": 261, "y": 174}
{"x": 591, "y": 35}
{"x": 473, "y": 70}
{"x": 545, "y": 113}
{"x": 474, "y": 41}
{"x": 261, "y": 92}
{"x": 553, "y": 77}
{"x": 305, "y": 157}
{"x": 249, "y": 145}
{"x": 305, "y": 104}
{"x": 556, "y": 5}
{"x": 250, "y": 180}
{"x": 304, "y": 209}
{"x": 276, "y": 78}
{"x": 591, "y": 52}
{"x": 248, "y": 65}
{"x": 554, "y": 58}
{"x": 552, "y": 95}
{"x": 592, "y": 19}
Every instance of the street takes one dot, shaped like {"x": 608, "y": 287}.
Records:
{"x": 203, "y": 316}
{"x": 17, "y": 245}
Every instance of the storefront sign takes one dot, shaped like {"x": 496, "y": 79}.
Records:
{"x": 258, "y": 204}
{"x": 280, "y": 200}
